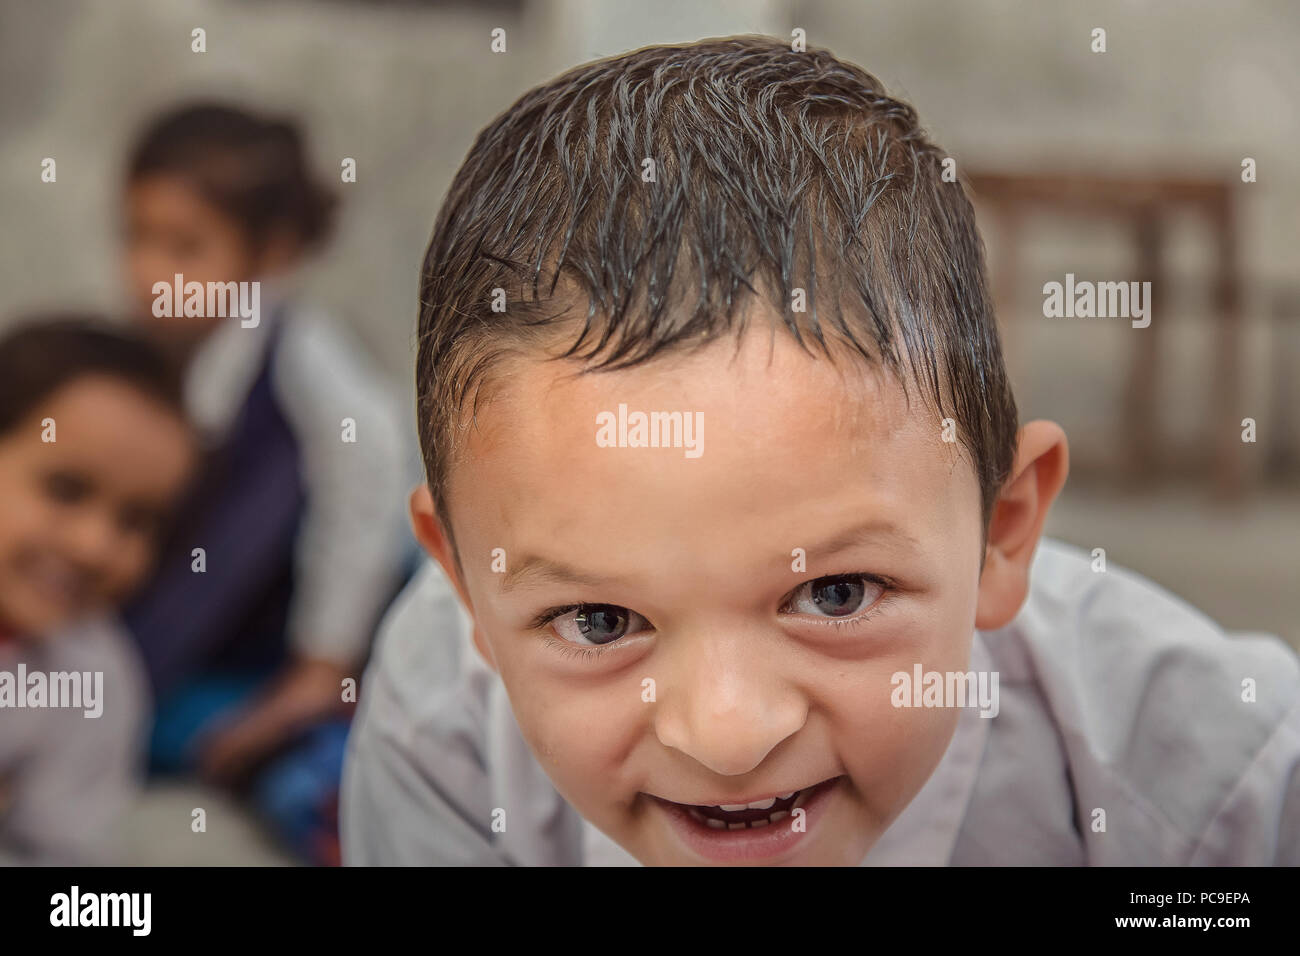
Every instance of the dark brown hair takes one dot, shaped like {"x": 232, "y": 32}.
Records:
{"x": 45, "y": 353}
{"x": 775, "y": 170}
{"x": 252, "y": 168}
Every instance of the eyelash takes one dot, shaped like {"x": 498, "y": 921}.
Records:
{"x": 569, "y": 649}
{"x": 588, "y": 652}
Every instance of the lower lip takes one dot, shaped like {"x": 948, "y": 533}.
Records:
{"x": 738, "y": 846}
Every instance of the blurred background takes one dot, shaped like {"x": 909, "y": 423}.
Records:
{"x": 1115, "y": 166}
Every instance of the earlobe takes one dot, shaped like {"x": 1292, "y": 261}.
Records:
{"x": 1037, "y": 475}
{"x": 1004, "y": 585}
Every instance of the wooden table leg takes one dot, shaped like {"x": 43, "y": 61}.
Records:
{"x": 1225, "y": 418}
{"x": 1143, "y": 439}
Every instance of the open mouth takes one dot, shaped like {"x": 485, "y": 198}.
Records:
{"x": 754, "y": 815}
{"x": 760, "y": 829}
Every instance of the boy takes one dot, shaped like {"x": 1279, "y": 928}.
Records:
{"x": 726, "y": 472}
{"x": 94, "y": 450}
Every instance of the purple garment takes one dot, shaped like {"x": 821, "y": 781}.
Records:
{"x": 244, "y": 512}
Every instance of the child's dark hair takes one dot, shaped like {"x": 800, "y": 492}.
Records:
{"x": 254, "y": 169}
{"x": 45, "y": 353}
{"x": 774, "y": 170}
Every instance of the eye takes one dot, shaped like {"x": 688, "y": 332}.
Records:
{"x": 841, "y": 595}
{"x": 597, "y": 623}
{"x": 65, "y": 487}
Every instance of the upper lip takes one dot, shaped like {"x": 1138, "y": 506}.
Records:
{"x": 737, "y": 801}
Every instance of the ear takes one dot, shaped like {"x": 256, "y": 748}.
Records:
{"x": 1041, "y": 465}
{"x": 435, "y": 541}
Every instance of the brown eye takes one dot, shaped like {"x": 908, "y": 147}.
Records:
{"x": 66, "y": 488}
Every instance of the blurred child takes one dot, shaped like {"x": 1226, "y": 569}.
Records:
{"x": 94, "y": 452}
{"x": 298, "y": 511}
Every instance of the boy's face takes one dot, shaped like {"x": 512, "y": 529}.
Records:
{"x": 80, "y": 515}
{"x": 710, "y": 667}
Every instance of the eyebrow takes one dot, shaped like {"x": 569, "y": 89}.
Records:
{"x": 535, "y": 570}
{"x": 876, "y": 528}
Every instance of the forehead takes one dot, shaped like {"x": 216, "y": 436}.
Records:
{"x": 793, "y": 445}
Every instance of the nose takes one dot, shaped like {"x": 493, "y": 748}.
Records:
{"x": 726, "y": 704}
{"x": 92, "y": 541}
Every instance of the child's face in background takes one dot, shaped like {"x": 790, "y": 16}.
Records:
{"x": 80, "y": 516}
{"x": 171, "y": 229}
{"x": 767, "y": 679}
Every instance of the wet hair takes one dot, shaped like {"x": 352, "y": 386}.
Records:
{"x": 45, "y": 353}
{"x": 774, "y": 171}
{"x": 252, "y": 168}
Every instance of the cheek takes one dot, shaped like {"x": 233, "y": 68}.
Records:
{"x": 127, "y": 568}
{"x": 223, "y": 256}
{"x": 27, "y": 518}
{"x": 582, "y": 729}
{"x": 889, "y": 752}
{"x": 216, "y": 262}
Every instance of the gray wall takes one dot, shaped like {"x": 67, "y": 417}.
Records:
{"x": 1190, "y": 86}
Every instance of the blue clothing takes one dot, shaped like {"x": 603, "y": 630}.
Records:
{"x": 295, "y": 792}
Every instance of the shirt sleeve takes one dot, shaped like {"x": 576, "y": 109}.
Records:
{"x": 1259, "y": 823}
{"x": 359, "y": 464}
{"x": 415, "y": 779}
{"x": 1184, "y": 734}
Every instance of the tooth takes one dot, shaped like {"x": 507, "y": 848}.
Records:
{"x": 762, "y": 804}
{"x": 760, "y": 823}
{"x": 735, "y": 826}
{"x": 695, "y": 814}
{"x": 787, "y": 796}
{"x": 779, "y": 816}
{"x": 713, "y": 824}
{"x": 732, "y": 807}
